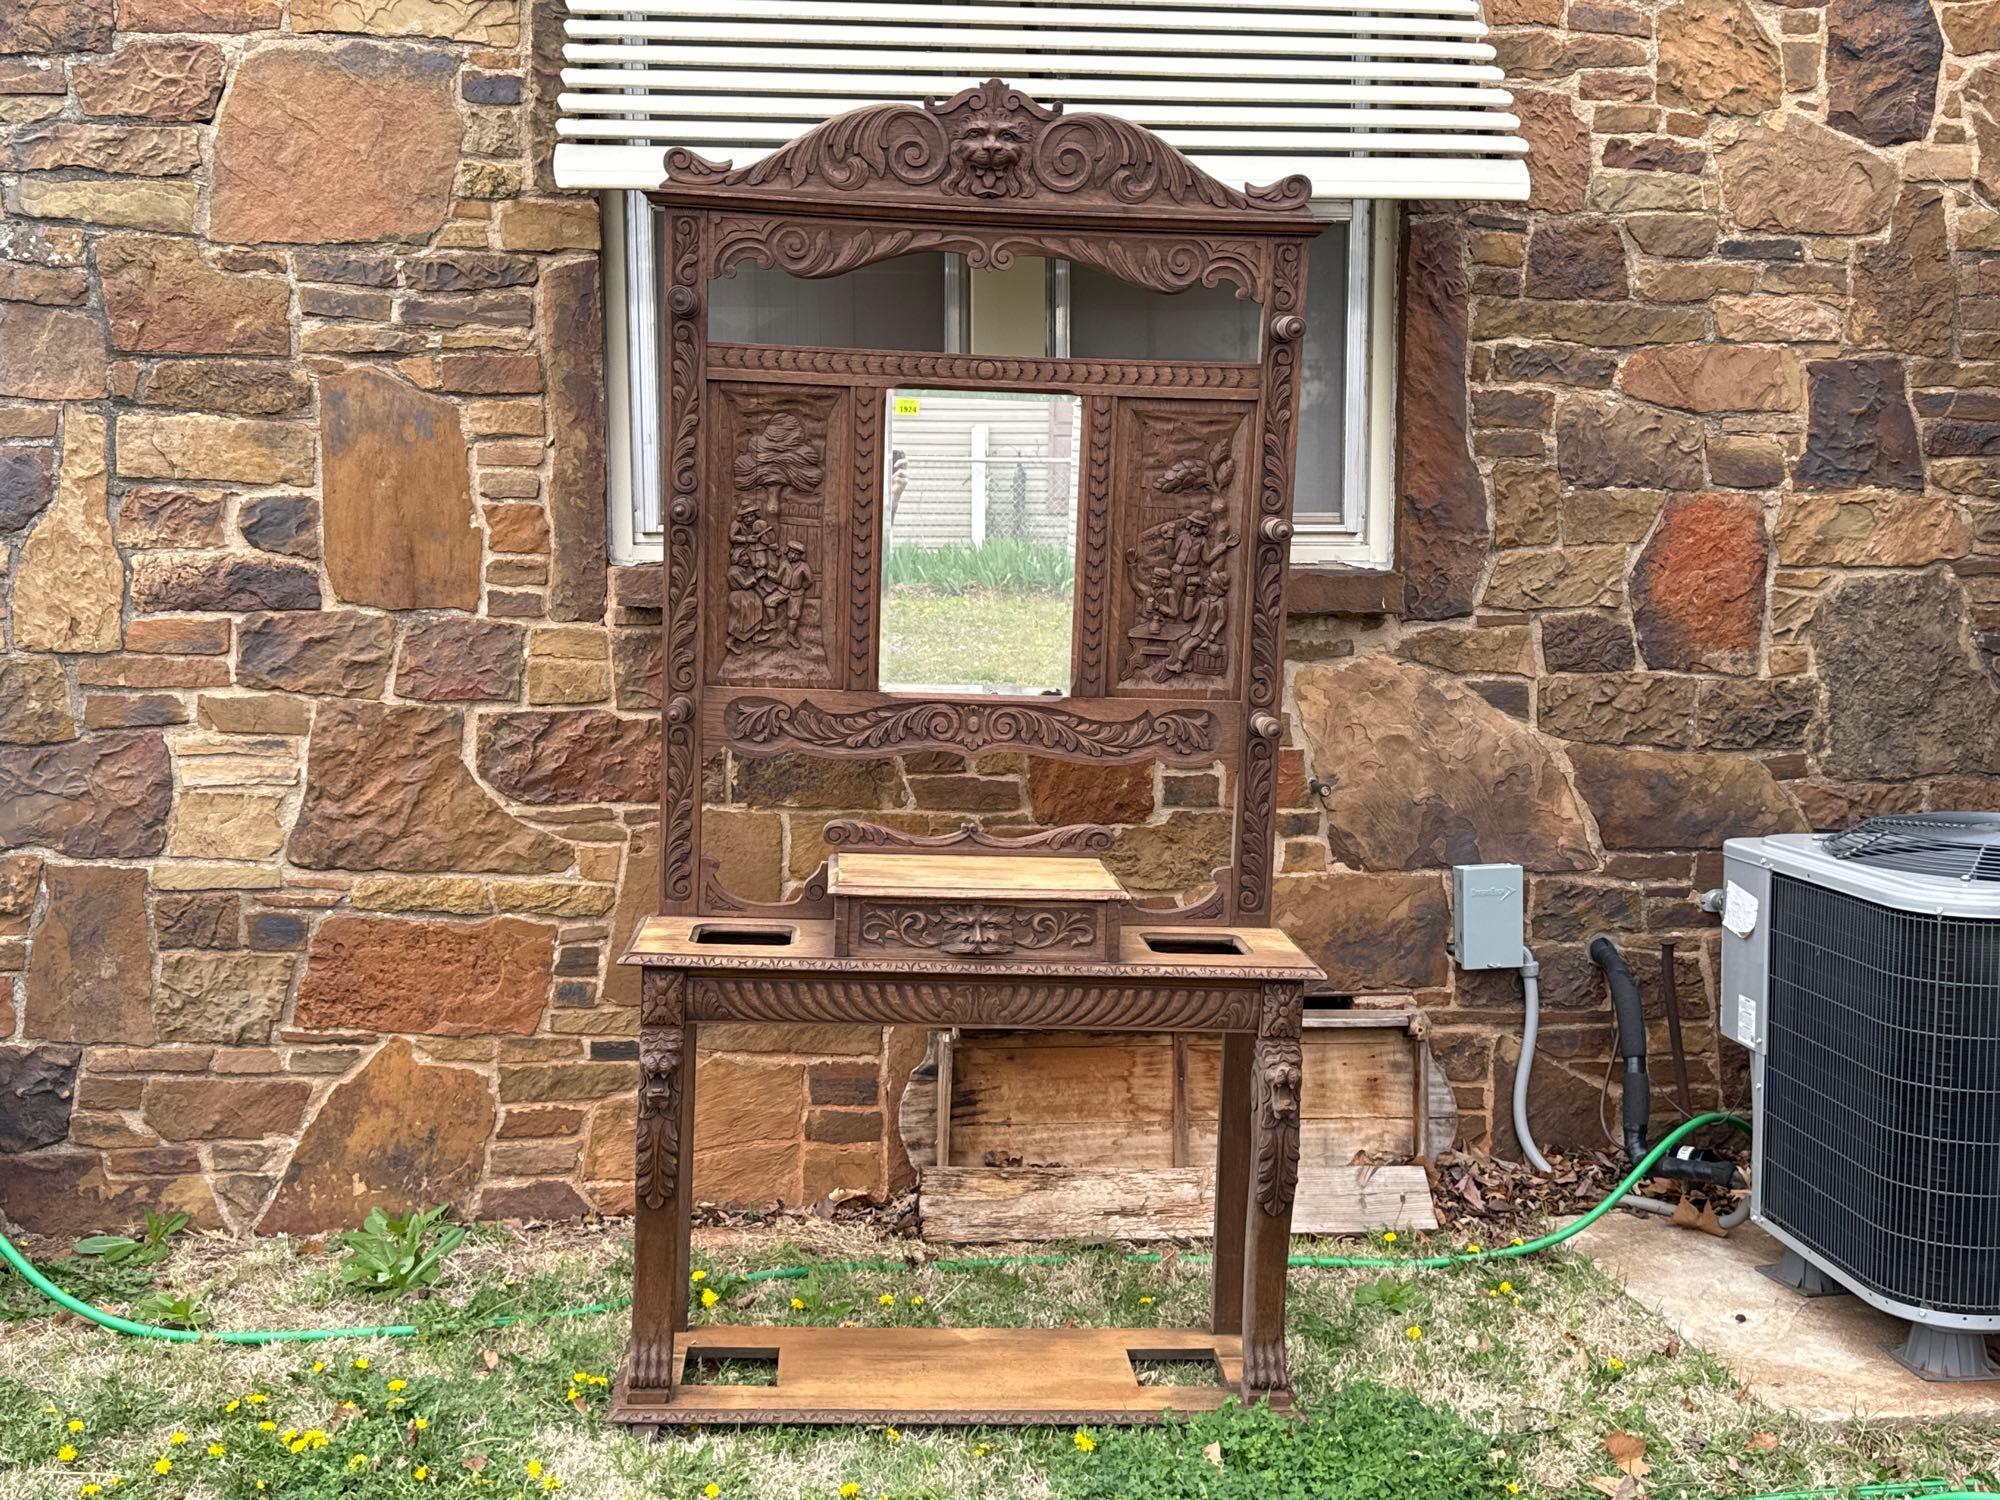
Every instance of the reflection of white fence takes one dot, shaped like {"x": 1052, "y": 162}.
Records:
{"x": 981, "y": 468}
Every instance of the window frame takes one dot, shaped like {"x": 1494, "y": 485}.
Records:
{"x": 1364, "y": 536}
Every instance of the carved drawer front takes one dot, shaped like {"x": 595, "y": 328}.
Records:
{"x": 974, "y": 907}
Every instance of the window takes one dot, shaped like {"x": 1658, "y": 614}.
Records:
{"x": 1033, "y": 307}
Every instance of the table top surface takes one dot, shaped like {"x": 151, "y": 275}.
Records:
{"x": 1146, "y": 950}
{"x": 972, "y": 877}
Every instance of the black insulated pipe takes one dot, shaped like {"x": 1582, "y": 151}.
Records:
{"x": 1636, "y": 1117}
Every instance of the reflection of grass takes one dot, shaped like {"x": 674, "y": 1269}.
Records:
{"x": 1001, "y": 562}
{"x": 982, "y": 638}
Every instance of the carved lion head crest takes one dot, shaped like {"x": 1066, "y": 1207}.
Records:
{"x": 986, "y": 154}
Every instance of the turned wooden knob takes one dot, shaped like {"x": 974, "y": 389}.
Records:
{"x": 680, "y": 709}
{"x": 681, "y": 512}
{"x": 1265, "y": 726}
{"x": 683, "y": 301}
{"x": 1288, "y": 327}
{"x": 1276, "y": 529}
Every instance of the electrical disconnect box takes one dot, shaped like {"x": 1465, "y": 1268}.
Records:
{"x": 1487, "y": 930}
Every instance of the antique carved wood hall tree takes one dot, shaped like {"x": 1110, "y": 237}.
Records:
{"x": 780, "y": 510}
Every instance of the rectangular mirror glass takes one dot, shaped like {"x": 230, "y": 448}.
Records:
{"x": 979, "y": 554}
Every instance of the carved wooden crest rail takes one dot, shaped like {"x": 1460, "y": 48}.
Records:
{"x": 774, "y": 540}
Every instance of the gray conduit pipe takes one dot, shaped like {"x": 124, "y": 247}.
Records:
{"x": 1531, "y": 1026}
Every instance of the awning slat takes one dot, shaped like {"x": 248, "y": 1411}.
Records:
{"x": 1389, "y": 100}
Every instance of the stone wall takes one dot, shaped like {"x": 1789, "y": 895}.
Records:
{"x": 326, "y": 736}
{"x": 1700, "y": 513}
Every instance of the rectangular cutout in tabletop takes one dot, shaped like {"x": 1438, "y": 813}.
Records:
{"x": 1172, "y": 943}
{"x": 740, "y": 935}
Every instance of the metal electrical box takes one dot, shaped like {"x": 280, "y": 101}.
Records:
{"x": 1487, "y": 928}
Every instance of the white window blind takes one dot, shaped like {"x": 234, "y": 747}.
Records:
{"x": 1399, "y": 100}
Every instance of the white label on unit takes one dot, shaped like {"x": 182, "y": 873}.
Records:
{"x": 1746, "y": 1020}
{"x": 1739, "y": 910}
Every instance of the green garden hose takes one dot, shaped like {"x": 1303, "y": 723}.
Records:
{"x": 82, "y": 1309}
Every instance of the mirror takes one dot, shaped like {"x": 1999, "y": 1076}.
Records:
{"x": 979, "y": 555}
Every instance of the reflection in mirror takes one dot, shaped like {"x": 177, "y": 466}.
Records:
{"x": 898, "y": 304}
{"x": 979, "y": 557}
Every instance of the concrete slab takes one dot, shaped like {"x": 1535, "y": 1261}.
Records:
{"x": 1825, "y": 1359}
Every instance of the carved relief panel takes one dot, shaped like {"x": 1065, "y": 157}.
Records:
{"x": 777, "y": 534}
{"x": 1180, "y": 495}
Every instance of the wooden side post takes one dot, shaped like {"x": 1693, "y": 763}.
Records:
{"x": 664, "y": 1167}
{"x": 1232, "y": 1183}
{"x": 1274, "y": 1086}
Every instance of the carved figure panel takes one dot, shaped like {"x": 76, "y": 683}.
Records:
{"x": 778, "y": 536}
{"x": 1181, "y": 498}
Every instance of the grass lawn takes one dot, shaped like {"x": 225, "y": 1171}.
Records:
{"x": 980, "y": 638}
{"x": 1432, "y": 1386}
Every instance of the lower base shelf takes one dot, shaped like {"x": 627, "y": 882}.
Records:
{"x": 1019, "y": 1376}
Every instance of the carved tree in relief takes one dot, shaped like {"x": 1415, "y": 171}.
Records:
{"x": 1179, "y": 571}
{"x": 774, "y": 623}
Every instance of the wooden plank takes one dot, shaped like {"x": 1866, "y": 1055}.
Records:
{"x": 993, "y": 1205}
{"x": 946, "y": 1375}
{"x": 1064, "y": 1098}
{"x": 973, "y": 877}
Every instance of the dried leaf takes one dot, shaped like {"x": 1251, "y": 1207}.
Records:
{"x": 1213, "y": 1453}
{"x": 1761, "y": 1442}
{"x": 1669, "y": 1349}
{"x": 490, "y": 1358}
{"x": 1628, "y": 1451}
{"x": 477, "y": 1463}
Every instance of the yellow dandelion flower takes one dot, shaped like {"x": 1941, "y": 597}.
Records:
{"x": 75, "y": 1424}
{"x": 711, "y": 1489}
{"x": 572, "y": 1394}
{"x": 233, "y": 1403}
{"x": 1506, "y": 1286}
{"x": 916, "y": 1302}
{"x": 315, "y": 1437}
{"x": 256, "y": 1398}
{"x": 297, "y": 1445}
{"x": 179, "y": 1439}
{"x": 216, "y": 1450}
{"x": 1413, "y": 1332}
{"x": 708, "y": 1297}
{"x": 1145, "y": 1301}
{"x": 319, "y": 1366}
{"x": 288, "y": 1434}
{"x": 91, "y": 1489}
{"x": 1491, "y": 1293}
{"x": 263, "y": 1484}
{"x": 420, "y": 1473}
{"x": 1614, "y": 1364}
{"x": 361, "y": 1363}
{"x": 982, "y": 1450}
{"x": 849, "y": 1490}
{"x": 798, "y": 1304}
{"x": 892, "y": 1434}
{"x": 1472, "y": 1249}
{"x": 697, "y": 1276}
{"x": 357, "y": 1461}
{"x": 1513, "y": 1488}
{"x": 49, "y": 1411}
{"x": 552, "y": 1483}
{"x": 66, "y": 1454}
{"x": 1389, "y": 1238}
{"x": 887, "y": 1299}
{"x": 1085, "y": 1443}
{"x": 399, "y": 1385}
{"x": 163, "y": 1465}
{"x": 533, "y": 1468}
{"x": 1517, "y": 1241}
{"x": 420, "y": 1423}
{"x": 267, "y": 1425}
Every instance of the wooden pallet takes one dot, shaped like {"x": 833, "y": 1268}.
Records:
{"x": 960, "y": 1376}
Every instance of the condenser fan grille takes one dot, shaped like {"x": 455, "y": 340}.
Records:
{"x": 1880, "y": 1123}
{"x": 1957, "y": 846}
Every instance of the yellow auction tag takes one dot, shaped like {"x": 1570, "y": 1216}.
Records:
{"x": 908, "y": 406}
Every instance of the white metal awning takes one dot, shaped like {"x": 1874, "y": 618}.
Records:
{"x": 1368, "y": 100}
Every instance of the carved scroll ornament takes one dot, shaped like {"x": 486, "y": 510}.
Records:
{"x": 770, "y": 724}
{"x": 975, "y": 930}
{"x": 992, "y": 144}
{"x": 855, "y": 833}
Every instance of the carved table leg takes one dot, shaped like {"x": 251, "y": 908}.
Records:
{"x": 1274, "y": 1088}
{"x": 663, "y": 1168}
{"x": 1232, "y": 1184}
